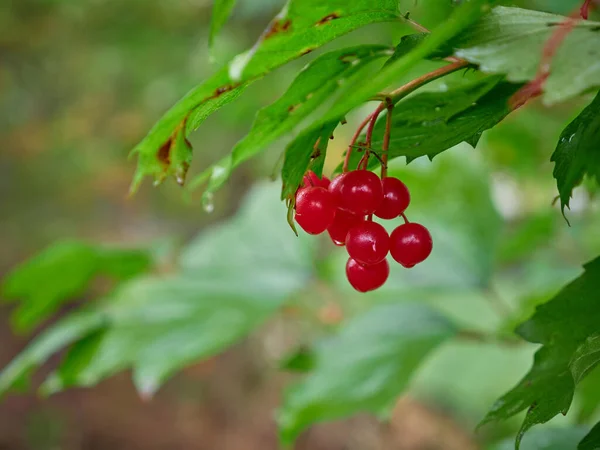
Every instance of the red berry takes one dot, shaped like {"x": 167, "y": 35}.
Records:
{"x": 360, "y": 192}
{"x": 395, "y": 198}
{"x": 410, "y": 244}
{"x": 315, "y": 209}
{"x": 341, "y": 224}
{"x": 311, "y": 179}
{"x": 368, "y": 243}
{"x": 367, "y": 278}
{"x": 336, "y": 185}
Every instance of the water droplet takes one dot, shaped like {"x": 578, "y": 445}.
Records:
{"x": 438, "y": 109}
{"x": 208, "y": 202}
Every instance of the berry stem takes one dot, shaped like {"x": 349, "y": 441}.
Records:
{"x": 386, "y": 140}
{"x": 394, "y": 97}
{"x": 353, "y": 142}
{"x": 405, "y": 218}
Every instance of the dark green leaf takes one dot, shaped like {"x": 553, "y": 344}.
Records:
{"x": 429, "y": 123}
{"x": 301, "y": 27}
{"x": 567, "y": 327}
{"x": 220, "y": 13}
{"x": 302, "y": 360}
{"x": 588, "y": 396}
{"x": 317, "y": 82}
{"x": 578, "y": 151}
{"x": 365, "y": 367}
{"x": 408, "y": 43}
{"x": 308, "y": 150}
{"x": 61, "y": 273}
{"x": 511, "y": 41}
{"x": 592, "y": 440}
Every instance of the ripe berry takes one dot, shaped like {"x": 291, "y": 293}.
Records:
{"x": 395, "y": 198}
{"x": 410, "y": 244}
{"x": 360, "y": 192}
{"x": 367, "y": 278}
{"x": 311, "y": 179}
{"x": 315, "y": 209}
{"x": 342, "y": 222}
{"x": 368, "y": 243}
{"x": 336, "y": 185}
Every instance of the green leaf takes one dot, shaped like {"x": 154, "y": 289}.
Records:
{"x": 301, "y": 27}
{"x": 232, "y": 278}
{"x": 68, "y": 330}
{"x": 588, "y": 396}
{"x": 364, "y": 368}
{"x": 308, "y": 150}
{"x": 592, "y": 440}
{"x": 431, "y": 122}
{"x": 317, "y": 82}
{"x": 408, "y": 43}
{"x": 359, "y": 92}
{"x": 220, "y": 13}
{"x": 578, "y": 151}
{"x": 511, "y": 41}
{"x": 567, "y": 327}
{"x": 548, "y": 439}
{"x": 64, "y": 270}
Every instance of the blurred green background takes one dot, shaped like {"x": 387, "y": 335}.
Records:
{"x": 81, "y": 83}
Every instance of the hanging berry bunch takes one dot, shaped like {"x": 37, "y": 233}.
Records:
{"x": 345, "y": 206}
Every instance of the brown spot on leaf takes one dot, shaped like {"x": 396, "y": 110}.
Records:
{"x": 316, "y": 154}
{"x": 306, "y": 51}
{"x": 223, "y": 89}
{"x": 278, "y": 26}
{"x": 164, "y": 152}
{"x": 293, "y": 108}
{"x": 328, "y": 18}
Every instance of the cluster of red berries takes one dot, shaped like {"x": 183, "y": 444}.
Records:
{"x": 345, "y": 208}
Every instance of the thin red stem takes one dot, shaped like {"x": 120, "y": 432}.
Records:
{"x": 353, "y": 142}
{"x": 386, "y": 140}
{"x": 585, "y": 9}
{"x": 405, "y": 218}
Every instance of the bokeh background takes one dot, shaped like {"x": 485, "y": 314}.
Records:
{"x": 81, "y": 83}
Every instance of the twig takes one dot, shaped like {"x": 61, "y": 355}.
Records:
{"x": 386, "y": 140}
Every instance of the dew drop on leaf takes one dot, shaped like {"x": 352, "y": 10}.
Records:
{"x": 208, "y": 202}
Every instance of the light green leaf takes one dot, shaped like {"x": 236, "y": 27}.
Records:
{"x": 315, "y": 84}
{"x": 511, "y": 41}
{"x": 547, "y": 439}
{"x": 68, "y": 330}
{"x": 364, "y": 368}
{"x": 578, "y": 151}
{"x": 301, "y": 27}
{"x": 567, "y": 327}
{"x": 63, "y": 272}
{"x": 220, "y": 13}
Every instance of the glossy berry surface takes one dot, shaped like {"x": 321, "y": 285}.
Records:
{"x": 410, "y": 244}
{"x": 368, "y": 243}
{"x": 396, "y": 198}
{"x": 311, "y": 179}
{"x": 315, "y": 209}
{"x": 342, "y": 222}
{"x": 361, "y": 192}
{"x": 367, "y": 278}
{"x": 335, "y": 187}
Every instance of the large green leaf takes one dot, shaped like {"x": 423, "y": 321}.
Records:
{"x": 429, "y": 123}
{"x": 567, "y": 326}
{"x": 511, "y": 41}
{"x": 231, "y": 279}
{"x": 578, "y": 151}
{"x": 301, "y": 27}
{"x": 62, "y": 272}
{"x": 315, "y": 84}
{"x": 365, "y": 367}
